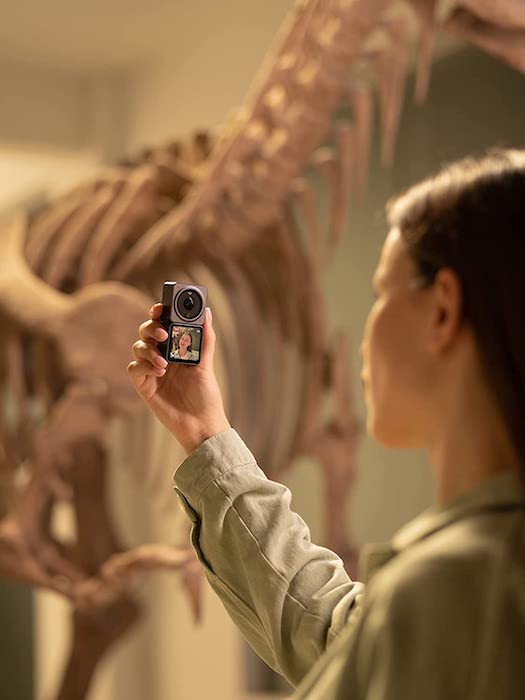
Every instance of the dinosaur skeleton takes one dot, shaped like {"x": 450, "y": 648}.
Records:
{"x": 239, "y": 214}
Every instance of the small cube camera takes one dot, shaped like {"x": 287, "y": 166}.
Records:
{"x": 183, "y": 318}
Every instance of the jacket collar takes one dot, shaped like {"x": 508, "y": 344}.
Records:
{"x": 500, "y": 491}
{"x": 503, "y": 491}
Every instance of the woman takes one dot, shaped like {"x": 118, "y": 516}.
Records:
{"x": 441, "y": 610}
{"x": 185, "y": 349}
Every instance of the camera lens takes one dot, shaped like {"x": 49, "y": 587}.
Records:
{"x": 189, "y": 303}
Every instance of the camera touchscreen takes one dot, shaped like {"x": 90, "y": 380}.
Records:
{"x": 185, "y": 344}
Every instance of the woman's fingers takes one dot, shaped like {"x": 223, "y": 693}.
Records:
{"x": 156, "y": 311}
{"x": 152, "y": 332}
{"x": 148, "y": 361}
{"x": 139, "y": 370}
{"x": 144, "y": 351}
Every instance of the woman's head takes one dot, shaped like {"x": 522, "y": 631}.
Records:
{"x": 185, "y": 343}
{"x": 451, "y": 282}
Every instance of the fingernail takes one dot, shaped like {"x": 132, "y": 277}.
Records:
{"x": 161, "y": 334}
{"x": 161, "y": 362}
{"x": 210, "y": 315}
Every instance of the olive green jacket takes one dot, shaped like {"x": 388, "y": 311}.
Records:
{"x": 443, "y": 615}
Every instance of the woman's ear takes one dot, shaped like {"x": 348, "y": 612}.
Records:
{"x": 447, "y": 312}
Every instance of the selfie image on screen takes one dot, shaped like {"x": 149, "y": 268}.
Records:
{"x": 185, "y": 344}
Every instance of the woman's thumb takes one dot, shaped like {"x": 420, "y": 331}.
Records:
{"x": 208, "y": 349}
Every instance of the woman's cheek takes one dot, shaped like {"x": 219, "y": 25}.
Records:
{"x": 367, "y": 333}
{"x": 374, "y": 338}
{"x": 380, "y": 354}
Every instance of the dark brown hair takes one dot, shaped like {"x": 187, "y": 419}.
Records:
{"x": 470, "y": 217}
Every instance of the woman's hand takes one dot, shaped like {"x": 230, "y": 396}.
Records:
{"x": 186, "y": 399}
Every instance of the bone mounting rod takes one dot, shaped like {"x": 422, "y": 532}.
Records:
{"x": 361, "y": 101}
{"x": 399, "y": 33}
{"x": 389, "y": 61}
{"x": 345, "y": 134}
{"x": 425, "y": 12}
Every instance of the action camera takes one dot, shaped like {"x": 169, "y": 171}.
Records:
{"x": 183, "y": 318}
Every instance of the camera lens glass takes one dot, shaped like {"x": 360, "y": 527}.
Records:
{"x": 189, "y": 303}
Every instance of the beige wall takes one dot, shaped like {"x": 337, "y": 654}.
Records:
{"x": 41, "y": 105}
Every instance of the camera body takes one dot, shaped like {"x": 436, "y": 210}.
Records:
{"x": 183, "y": 318}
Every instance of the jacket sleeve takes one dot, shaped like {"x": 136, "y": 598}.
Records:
{"x": 289, "y": 597}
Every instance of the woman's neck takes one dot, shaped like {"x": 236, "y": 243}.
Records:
{"x": 472, "y": 445}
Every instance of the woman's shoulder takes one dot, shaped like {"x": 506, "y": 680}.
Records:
{"x": 421, "y": 592}
{"x": 462, "y": 559}
{"x": 444, "y": 589}
{"x": 426, "y": 602}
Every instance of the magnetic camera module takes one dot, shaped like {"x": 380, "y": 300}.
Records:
{"x": 183, "y": 318}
